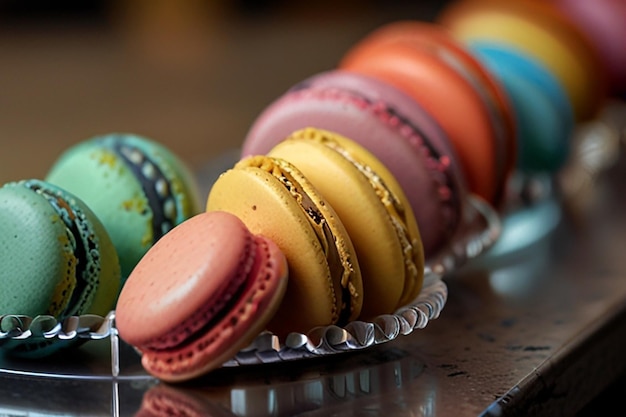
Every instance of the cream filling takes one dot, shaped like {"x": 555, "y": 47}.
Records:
{"x": 339, "y": 261}
{"x": 393, "y": 206}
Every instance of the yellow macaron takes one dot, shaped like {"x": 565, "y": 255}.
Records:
{"x": 274, "y": 199}
{"x": 372, "y": 207}
{"x": 539, "y": 29}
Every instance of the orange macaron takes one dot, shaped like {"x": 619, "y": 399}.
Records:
{"x": 429, "y": 64}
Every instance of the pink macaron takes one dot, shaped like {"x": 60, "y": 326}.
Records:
{"x": 604, "y": 23}
{"x": 387, "y": 122}
{"x": 428, "y": 64}
{"x": 203, "y": 292}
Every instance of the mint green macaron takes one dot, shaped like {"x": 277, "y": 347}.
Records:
{"x": 137, "y": 187}
{"x": 57, "y": 259}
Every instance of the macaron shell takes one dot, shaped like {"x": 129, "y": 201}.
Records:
{"x": 33, "y": 285}
{"x": 267, "y": 208}
{"x": 74, "y": 251}
{"x": 340, "y": 255}
{"x": 111, "y": 190}
{"x": 545, "y": 145}
{"x": 412, "y": 285}
{"x": 347, "y": 190}
{"x": 199, "y": 260}
{"x": 448, "y": 97}
{"x": 94, "y": 172}
{"x": 603, "y": 23}
{"x": 65, "y": 264}
{"x": 181, "y": 291}
{"x": 388, "y": 123}
{"x": 540, "y": 29}
{"x": 544, "y": 114}
{"x": 428, "y": 170}
{"x": 256, "y": 306}
{"x": 101, "y": 267}
{"x": 440, "y": 40}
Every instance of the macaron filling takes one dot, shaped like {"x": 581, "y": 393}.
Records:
{"x": 154, "y": 183}
{"x": 223, "y": 329}
{"x": 205, "y": 321}
{"x": 85, "y": 247}
{"x": 394, "y": 208}
{"x": 339, "y": 263}
{"x": 212, "y": 312}
{"x": 438, "y": 165}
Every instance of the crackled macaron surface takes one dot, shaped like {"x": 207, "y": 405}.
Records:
{"x": 56, "y": 257}
{"x": 387, "y": 122}
{"x": 448, "y": 95}
{"x": 273, "y": 198}
{"x": 372, "y": 207}
{"x": 199, "y": 295}
{"x": 136, "y": 186}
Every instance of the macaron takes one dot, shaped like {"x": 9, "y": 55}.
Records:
{"x": 541, "y": 30}
{"x": 389, "y": 124}
{"x": 136, "y": 186}
{"x": 273, "y": 198}
{"x": 373, "y": 208}
{"x": 437, "y": 71}
{"x": 57, "y": 259}
{"x": 545, "y": 118}
{"x": 199, "y": 295}
{"x": 603, "y": 23}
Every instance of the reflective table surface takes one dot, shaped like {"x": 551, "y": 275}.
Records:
{"x": 541, "y": 331}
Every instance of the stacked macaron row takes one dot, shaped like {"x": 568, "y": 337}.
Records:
{"x": 389, "y": 124}
{"x": 450, "y": 115}
{"x": 339, "y": 242}
{"x": 347, "y": 184}
{"x": 69, "y": 242}
{"x": 554, "y": 73}
{"x": 557, "y": 76}
{"x": 353, "y": 178}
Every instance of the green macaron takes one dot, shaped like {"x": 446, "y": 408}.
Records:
{"x": 137, "y": 187}
{"x": 57, "y": 259}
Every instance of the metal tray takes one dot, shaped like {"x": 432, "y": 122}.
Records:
{"x": 481, "y": 229}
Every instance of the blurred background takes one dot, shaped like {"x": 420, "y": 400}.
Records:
{"x": 191, "y": 74}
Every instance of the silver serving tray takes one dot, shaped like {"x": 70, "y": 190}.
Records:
{"x": 482, "y": 228}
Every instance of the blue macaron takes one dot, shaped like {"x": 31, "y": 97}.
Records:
{"x": 545, "y": 117}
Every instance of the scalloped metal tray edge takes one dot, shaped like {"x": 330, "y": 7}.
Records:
{"x": 320, "y": 341}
